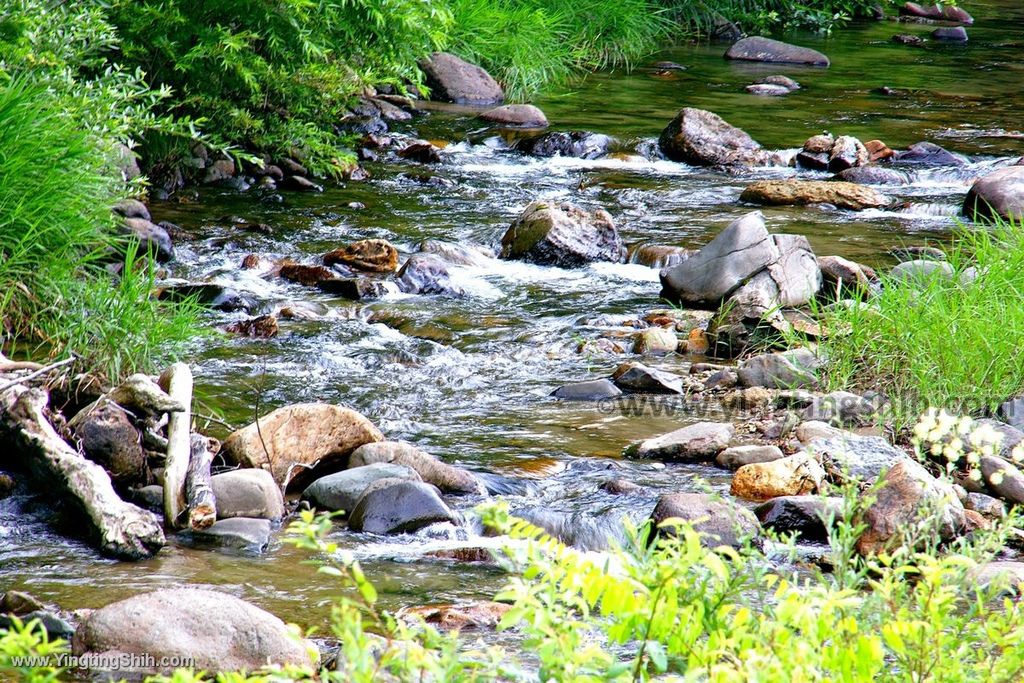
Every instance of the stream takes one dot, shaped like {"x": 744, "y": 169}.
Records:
{"x": 468, "y": 379}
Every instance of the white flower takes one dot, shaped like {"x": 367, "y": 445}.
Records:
{"x": 936, "y": 448}
{"x": 951, "y": 454}
{"x": 996, "y": 478}
{"x": 956, "y": 444}
{"x": 1017, "y": 454}
{"x": 973, "y": 458}
{"x": 974, "y": 475}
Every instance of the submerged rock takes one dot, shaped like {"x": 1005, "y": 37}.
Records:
{"x": 998, "y": 194}
{"x": 563, "y": 235}
{"x": 577, "y": 143}
{"x": 768, "y": 90}
{"x": 701, "y": 138}
{"x": 448, "y": 478}
{"x": 237, "y": 533}
{"x": 695, "y": 443}
{"x": 658, "y": 256}
{"x": 758, "y": 49}
{"x": 212, "y": 630}
{"x": 342, "y": 490}
{"x": 397, "y": 506}
{"x": 516, "y": 115}
{"x": 802, "y": 192}
{"x": 718, "y": 521}
{"x": 456, "y": 80}
{"x": 950, "y": 34}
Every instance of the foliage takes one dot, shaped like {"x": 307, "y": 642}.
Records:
{"x": 28, "y": 655}
{"x": 939, "y": 341}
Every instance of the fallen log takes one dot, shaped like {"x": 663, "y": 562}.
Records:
{"x": 177, "y": 382}
{"x": 202, "y": 504}
{"x": 120, "y": 530}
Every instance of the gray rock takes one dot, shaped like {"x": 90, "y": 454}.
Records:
{"x": 578, "y": 144}
{"x": 219, "y": 171}
{"x": 778, "y": 79}
{"x": 516, "y": 115}
{"x": 843, "y": 277}
{"x": 620, "y": 487}
{"x": 586, "y": 530}
{"x": 18, "y": 603}
{"x": 921, "y": 272}
{"x": 722, "y": 379}
{"x": 126, "y": 162}
{"x": 109, "y": 438}
{"x": 986, "y": 506}
{"x": 456, "y": 80}
{"x": 701, "y": 138}
{"x": 950, "y": 34}
{"x": 364, "y": 288}
{"x": 853, "y": 457}
{"x": 804, "y": 515}
{"x": 806, "y": 432}
{"x": 591, "y": 390}
{"x": 697, "y": 442}
{"x": 563, "y": 235}
{"x": 873, "y": 175}
{"x": 795, "y": 272}
{"x": 151, "y": 237}
{"x": 1003, "y": 479}
{"x": 132, "y": 208}
{"x": 768, "y": 90}
{"x": 735, "y": 457}
{"x": 637, "y": 378}
{"x": 149, "y": 498}
{"x": 448, "y": 478}
{"x": 792, "y": 369}
{"x": 55, "y": 627}
{"x": 1005, "y": 575}
{"x": 1011, "y": 435}
{"x": 1012, "y": 412}
{"x": 929, "y": 154}
{"x": 720, "y": 522}
{"x": 758, "y": 49}
{"x": 457, "y": 254}
{"x": 396, "y": 506}
{"x": 840, "y": 408}
{"x": 1000, "y": 193}
{"x": 426, "y": 274}
{"x": 247, "y": 492}
{"x": 658, "y": 255}
{"x": 214, "y": 631}
{"x": 216, "y": 296}
{"x": 342, "y": 490}
{"x": 238, "y": 533}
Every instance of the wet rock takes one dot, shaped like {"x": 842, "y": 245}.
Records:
{"x": 656, "y": 340}
{"x": 591, "y": 390}
{"x": 908, "y": 39}
{"x": 819, "y": 144}
{"x": 840, "y": 408}
{"x": 374, "y": 256}
{"x": 448, "y": 478}
{"x": 577, "y": 143}
{"x": 109, "y": 438}
{"x": 695, "y": 443}
{"x": 398, "y": 506}
{"x": 929, "y": 154}
{"x": 1003, "y": 479}
{"x": 873, "y": 175}
{"x": 7, "y": 485}
{"x": 132, "y": 208}
{"x": 477, "y": 615}
{"x": 920, "y": 272}
{"x": 620, "y": 487}
{"x": 843, "y": 277}
{"x": 802, "y": 192}
{"x": 219, "y": 171}
{"x": 758, "y": 49}
{"x": 815, "y": 161}
{"x": 299, "y": 437}
{"x": 586, "y": 530}
{"x": 421, "y": 151}
{"x": 290, "y": 166}
{"x": 778, "y": 79}
{"x": 878, "y": 151}
{"x": 357, "y": 289}
{"x": 18, "y": 603}
{"x": 426, "y": 274}
{"x": 951, "y": 34}
{"x": 1000, "y": 193}
{"x": 152, "y": 238}
{"x": 720, "y": 522}
{"x": 261, "y": 327}
{"x": 658, "y": 256}
{"x": 768, "y": 90}
{"x": 455, "y": 80}
{"x": 516, "y": 116}
{"x": 790, "y": 369}
{"x": 637, "y": 378}
{"x": 847, "y": 152}
{"x": 237, "y": 533}
{"x": 212, "y": 630}
{"x": 857, "y": 458}
{"x": 55, "y": 627}
{"x": 906, "y": 496}
{"x": 987, "y": 506}
{"x": 735, "y": 457}
{"x": 804, "y": 515}
{"x": 306, "y": 274}
{"x": 794, "y": 475}
{"x": 247, "y": 493}
{"x": 297, "y": 183}
{"x": 701, "y": 138}
{"x": 563, "y": 235}
{"x": 342, "y": 490}
{"x": 457, "y": 254}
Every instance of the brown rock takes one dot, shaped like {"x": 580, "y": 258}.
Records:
{"x": 262, "y": 327}
{"x": 375, "y": 256}
{"x": 795, "y": 475}
{"x": 470, "y": 616}
{"x": 250, "y": 261}
{"x": 878, "y": 150}
{"x": 448, "y": 478}
{"x": 803, "y": 192}
{"x": 306, "y": 275}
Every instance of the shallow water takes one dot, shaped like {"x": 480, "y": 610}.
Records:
{"x": 468, "y": 379}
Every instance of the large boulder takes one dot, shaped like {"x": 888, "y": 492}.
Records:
{"x": 289, "y": 441}
{"x": 398, "y": 506}
{"x": 791, "y": 369}
{"x": 578, "y": 143}
{"x": 794, "y": 475}
{"x": 803, "y": 192}
{"x": 563, "y": 235}
{"x": 998, "y": 194}
{"x": 109, "y": 438}
{"x": 247, "y": 493}
{"x": 907, "y": 496}
{"x": 448, "y": 478}
{"x": 701, "y": 138}
{"x": 375, "y": 256}
{"x": 342, "y": 490}
{"x": 214, "y": 631}
{"x": 456, "y": 80}
{"x": 694, "y": 443}
{"x": 720, "y": 522}
{"x": 758, "y": 49}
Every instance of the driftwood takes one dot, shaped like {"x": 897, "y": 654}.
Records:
{"x": 202, "y": 504}
{"x": 144, "y": 397}
{"x": 177, "y": 382}
{"x": 28, "y": 365}
{"x": 121, "y": 529}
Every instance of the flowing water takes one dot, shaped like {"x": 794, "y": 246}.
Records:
{"x": 467, "y": 379}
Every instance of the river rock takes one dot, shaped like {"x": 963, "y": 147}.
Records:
{"x": 840, "y": 408}
{"x": 426, "y": 274}
{"x": 804, "y": 515}
{"x": 579, "y": 144}
{"x": 794, "y": 475}
{"x": 950, "y": 34}
{"x": 219, "y": 297}
{"x": 151, "y": 237}
{"x": 812, "y": 430}
{"x": 357, "y": 288}
{"x": 1003, "y": 479}
{"x": 791, "y": 369}
{"x": 475, "y": 615}
{"x": 921, "y": 271}
{"x": 853, "y": 457}
{"x": 421, "y": 151}
{"x": 768, "y": 90}
{"x": 374, "y": 256}
{"x": 718, "y": 521}
{"x": 456, "y": 80}
{"x": 131, "y": 208}
{"x": 125, "y": 161}
{"x": 457, "y": 254}
{"x": 448, "y": 478}
{"x": 56, "y": 628}
{"x": 735, "y": 457}
{"x": 215, "y": 631}
{"x": 701, "y": 138}
{"x": 722, "y": 379}
{"x": 342, "y": 490}
{"x": 802, "y": 192}
{"x": 929, "y": 154}
{"x": 878, "y": 151}
{"x": 637, "y": 378}
{"x": 656, "y": 340}
{"x": 18, "y": 603}
{"x": 1000, "y": 193}
{"x": 847, "y": 152}
{"x": 297, "y": 183}
{"x": 591, "y": 390}
{"x": 247, "y": 493}
{"x": 873, "y": 175}
{"x": 658, "y": 255}
{"x": 759, "y": 49}
{"x": 779, "y": 79}
{"x": 843, "y": 277}
{"x": 986, "y": 506}
{"x": 516, "y": 116}
{"x": 306, "y": 274}
{"x": 694, "y": 443}
{"x": 563, "y": 235}
{"x": 585, "y": 529}
{"x": 1004, "y": 575}
{"x": 907, "y": 495}
{"x": 247, "y": 534}
{"x": 109, "y": 438}
{"x": 299, "y": 437}
{"x": 398, "y": 506}
{"x": 620, "y": 487}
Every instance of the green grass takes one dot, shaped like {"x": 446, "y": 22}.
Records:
{"x": 943, "y": 343}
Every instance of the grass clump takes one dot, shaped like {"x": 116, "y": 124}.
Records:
{"x": 951, "y": 341}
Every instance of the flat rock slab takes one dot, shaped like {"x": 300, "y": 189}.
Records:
{"x": 758, "y": 49}
{"x": 697, "y": 442}
{"x": 342, "y": 490}
{"x": 841, "y": 194}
